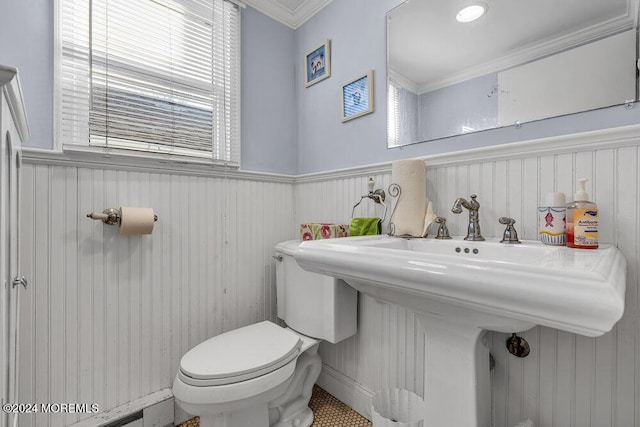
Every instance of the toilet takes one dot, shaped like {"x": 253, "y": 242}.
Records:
{"x": 262, "y": 375}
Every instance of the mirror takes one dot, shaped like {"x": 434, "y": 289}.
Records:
{"x": 519, "y": 62}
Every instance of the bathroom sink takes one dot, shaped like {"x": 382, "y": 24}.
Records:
{"x": 459, "y": 289}
{"x": 500, "y": 287}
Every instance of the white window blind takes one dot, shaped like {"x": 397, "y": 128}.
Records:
{"x": 150, "y": 75}
{"x": 393, "y": 116}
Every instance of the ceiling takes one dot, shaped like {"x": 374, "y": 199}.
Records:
{"x": 292, "y": 13}
{"x": 430, "y": 49}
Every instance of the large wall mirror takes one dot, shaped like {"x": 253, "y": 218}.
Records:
{"x": 520, "y": 61}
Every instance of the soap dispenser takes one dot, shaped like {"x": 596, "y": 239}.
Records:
{"x": 582, "y": 220}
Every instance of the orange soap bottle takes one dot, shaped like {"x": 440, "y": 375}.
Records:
{"x": 582, "y": 220}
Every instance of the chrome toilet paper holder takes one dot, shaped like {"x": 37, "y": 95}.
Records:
{"x": 110, "y": 216}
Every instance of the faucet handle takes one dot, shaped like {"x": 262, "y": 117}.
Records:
{"x": 504, "y": 220}
{"x": 443, "y": 230}
{"x": 510, "y": 234}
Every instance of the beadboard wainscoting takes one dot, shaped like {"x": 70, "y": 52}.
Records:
{"x": 568, "y": 380}
{"x": 106, "y": 318}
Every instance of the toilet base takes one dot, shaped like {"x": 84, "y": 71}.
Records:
{"x": 292, "y": 408}
{"x": 256, "y": 416}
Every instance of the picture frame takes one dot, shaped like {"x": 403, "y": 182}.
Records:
{"x": 318, "y": 64}
{"x": 357, "y": 97}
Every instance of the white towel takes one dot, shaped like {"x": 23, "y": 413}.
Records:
{"x": 429, "y": 217}
{"x": 409, "y": 214}
{"x": 525, "y": 423}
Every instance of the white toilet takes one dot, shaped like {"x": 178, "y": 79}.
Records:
{"x": 262, "y": 375}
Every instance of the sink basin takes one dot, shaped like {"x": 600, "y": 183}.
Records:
{"x": 459, "y": 289}
{"x": 517, "y": 286}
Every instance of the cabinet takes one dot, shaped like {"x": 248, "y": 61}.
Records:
{"x": 13, "y": 131}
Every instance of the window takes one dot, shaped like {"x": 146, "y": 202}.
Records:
{"x": 159, "y": 76}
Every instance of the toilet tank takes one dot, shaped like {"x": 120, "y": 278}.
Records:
{"x": 313, "y": 304}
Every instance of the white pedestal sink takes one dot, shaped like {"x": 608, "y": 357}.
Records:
{"x": 460, "y": 289}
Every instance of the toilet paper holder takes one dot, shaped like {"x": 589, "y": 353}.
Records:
{"x": 110, "y": 216}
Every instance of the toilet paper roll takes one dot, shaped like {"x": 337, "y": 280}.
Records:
{"x": 409, "y": 215}
{"x": 136, "y": 221}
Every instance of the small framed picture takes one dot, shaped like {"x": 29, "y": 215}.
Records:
{"x": 357, "y": 97}
{"x": 318, "y": 64}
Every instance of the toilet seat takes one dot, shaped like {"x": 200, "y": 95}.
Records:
{"x": 239, "y": 355}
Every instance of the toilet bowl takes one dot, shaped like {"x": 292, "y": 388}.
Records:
{"x": 262, "y": 375}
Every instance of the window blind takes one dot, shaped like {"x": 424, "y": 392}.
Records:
{"x": 393, "y": 117}
{"x": 151, "y": 75}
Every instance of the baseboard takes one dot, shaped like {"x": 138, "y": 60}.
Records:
{"x": 346, "y": 390}
{"x": 156, "y": 409}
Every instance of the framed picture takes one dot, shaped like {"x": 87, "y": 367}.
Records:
{"x": 318, "y": 64}
{"x": 357, "y": 97}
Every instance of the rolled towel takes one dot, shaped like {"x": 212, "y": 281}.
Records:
{"x": 411, "y": 208}
{"x": 525, "y": 423}
{"x": 429, "y": 217}
{"x": 365, "y": 226}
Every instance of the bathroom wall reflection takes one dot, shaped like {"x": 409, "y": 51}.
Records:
{"x": 511, "y": 65}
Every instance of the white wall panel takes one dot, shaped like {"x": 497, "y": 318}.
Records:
{"x": 568, "y": 380}
{"x": 107, "y": 318}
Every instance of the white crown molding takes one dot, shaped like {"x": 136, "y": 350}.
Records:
{"x": 540, "y": 50}
{"x": 288, "y": 17}
{"x": 307, "y": 9}
{"x": 403, "y": 81}
{"x": 11, "y": 88}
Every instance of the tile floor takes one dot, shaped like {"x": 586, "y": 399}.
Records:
{"x": 327, "y": 411}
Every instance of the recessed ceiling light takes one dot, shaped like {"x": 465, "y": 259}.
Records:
{"x": 471, "y": 13}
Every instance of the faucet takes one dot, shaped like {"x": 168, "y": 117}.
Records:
{"x": 443, "y": 231}
{"x": 473, "y": 230}
{"x": 510, "y": 234}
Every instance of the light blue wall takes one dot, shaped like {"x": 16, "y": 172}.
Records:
{"x": 357, "y": 29}
{"x": 409, "y": 117}
{"x": 269, "y": 112}
{"x": 472, "y": 103}
{"x": 286, "y": 128}
{"x": 268, "y": 100}
{"x": 26, "y": 42}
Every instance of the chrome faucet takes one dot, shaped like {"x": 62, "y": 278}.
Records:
{"x": 443, "y": 231}
{"x": 473, "y": 230}
{"x": 510, "y": 234}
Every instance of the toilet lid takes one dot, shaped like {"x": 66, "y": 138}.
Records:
{"x": 241, "y": 354}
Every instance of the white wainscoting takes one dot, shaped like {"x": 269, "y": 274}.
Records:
{"x": 568, "y": 380}
{"x": 107, "y": 318}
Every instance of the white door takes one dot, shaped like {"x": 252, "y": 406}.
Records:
{"x": 13, "y": 130}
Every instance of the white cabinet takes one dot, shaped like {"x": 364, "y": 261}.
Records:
{"x": 13, "y": 131}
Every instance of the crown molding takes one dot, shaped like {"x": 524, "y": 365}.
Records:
{"x": 291, "y": 18}
{"x": 400, "y": 79}
{"x": 541, "y": 50}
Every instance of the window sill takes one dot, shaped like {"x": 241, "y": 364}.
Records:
{"x": 143, "y": 156}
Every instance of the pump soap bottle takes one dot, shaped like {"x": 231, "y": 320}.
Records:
{"x": 582, "y": 220}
